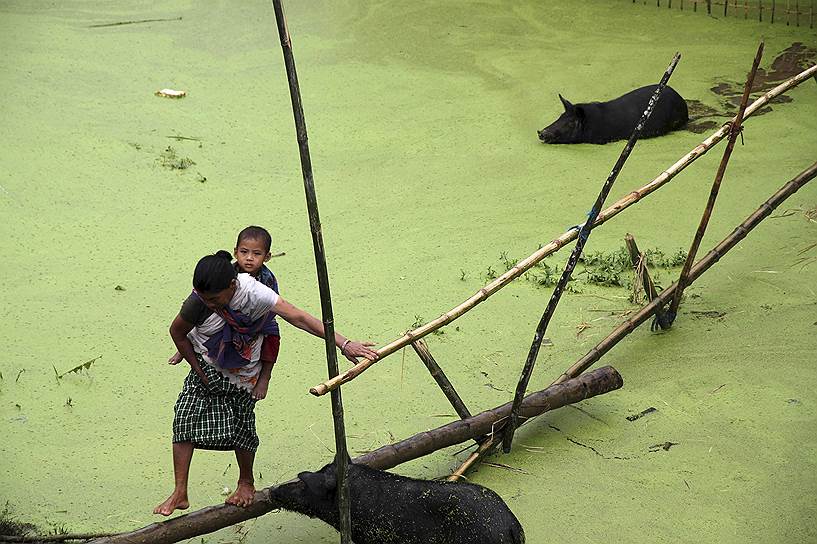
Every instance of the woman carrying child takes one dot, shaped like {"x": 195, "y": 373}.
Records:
{"x": 215, "y": 407}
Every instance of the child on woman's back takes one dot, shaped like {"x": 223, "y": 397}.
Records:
{"x": 215, "y": 407}
{"x": 252, "y": 250}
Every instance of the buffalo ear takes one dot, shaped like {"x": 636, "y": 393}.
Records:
{"x": 568, "y": 106}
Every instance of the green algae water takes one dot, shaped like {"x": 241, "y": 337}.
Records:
{"x": 422, "y": 124}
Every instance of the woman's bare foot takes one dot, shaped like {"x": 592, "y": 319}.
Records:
{"x": 176, "y": 501}
{"x": 243, "y": 496}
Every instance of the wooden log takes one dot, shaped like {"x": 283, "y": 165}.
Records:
{"x": 213, "y": 518}
{"x": 734, "y": 130}
{"x": 322, "y": 271}
{"x": 582, "y": 237}
{"x": 442, "y": 380}
{"x": 548, "y": 249}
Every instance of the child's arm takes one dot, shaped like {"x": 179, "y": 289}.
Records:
{"x": 311, "y": 324}
{"x": 178, "y": 332}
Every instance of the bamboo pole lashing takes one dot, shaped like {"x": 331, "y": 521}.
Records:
{"x": 554, "y": 245}
{"x": 735, "y": 128}
{"x": 584, "y": 234}
{"x": 341, "y": 456}
{"x": 709, "y": 260}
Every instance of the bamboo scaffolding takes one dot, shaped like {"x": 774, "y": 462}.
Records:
{"x": 548, "y": 249}
{"x": 740, "y": 232}
{"x": 213, "y": 518}
{"x": 582, "y": 237}
{"x": 442, "y": 380}
{"x": 734, "y": 129}
{"x": 322, "y": 271}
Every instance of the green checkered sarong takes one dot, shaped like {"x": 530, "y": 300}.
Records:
{"x": 216, "y": 416}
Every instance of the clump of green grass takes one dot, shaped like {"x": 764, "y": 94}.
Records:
{"x": 10, "y": 526}
{"x": 604, "y": 268}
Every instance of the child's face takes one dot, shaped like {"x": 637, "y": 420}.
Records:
{"x": 251, "y": 254}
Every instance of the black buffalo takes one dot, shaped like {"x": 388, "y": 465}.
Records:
{"x": 602, "y": 122}
{"x": 390, "y": 509}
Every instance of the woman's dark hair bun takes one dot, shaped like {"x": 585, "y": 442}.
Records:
{"x": 214, "y": 273}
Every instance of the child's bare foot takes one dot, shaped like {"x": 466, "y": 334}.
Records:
{"x": 259, "y": 392}
{"x": 243, "y": 496}
{"x": 176, "y": 501}
{"x": 175, "y": 359}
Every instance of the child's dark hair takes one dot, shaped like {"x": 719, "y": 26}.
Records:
{"x": 214, "y": 273}
{"x": 255, "y": 233}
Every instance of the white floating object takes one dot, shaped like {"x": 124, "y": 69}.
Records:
{"x": 171, "y": 93}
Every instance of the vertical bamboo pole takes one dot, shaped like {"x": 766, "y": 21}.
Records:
{"x": 581, "y": 240}
{"x": 774, "y": 2}
{"x": 745, "y": 9}
{"x": 797, "y": 13}
{"x": 734, "y": 130}
{"x": 760, "y": 10}
{"x": 341, "y": 454}
{"x": 725, "y": 7}
{"x": 709, "y": 7}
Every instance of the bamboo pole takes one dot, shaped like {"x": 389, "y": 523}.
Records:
{"x": 709, "y": 7}
{"x": 442, "y": 380}
{"x": 734, "y": 130}
{"x": 341, "y": 456}
{"x": 583, "y": 236}
{"x": 548, "y": 249}
{"x": 640, "y": 268}
{"x": 760, "y": 11}
{"x": 773, "y": 6}
{"x": 740, "y": 232}
{"x": 213, "y": 518}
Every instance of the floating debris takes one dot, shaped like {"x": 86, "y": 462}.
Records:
{"x": 170, "y": 93}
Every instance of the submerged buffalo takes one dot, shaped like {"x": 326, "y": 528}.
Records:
{"x": 602, "y": 122}
{"x": 390, "y": 509}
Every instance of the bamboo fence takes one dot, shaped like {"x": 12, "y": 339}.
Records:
{"x": 790, "y": 12}
{"x": 548, "y": 249}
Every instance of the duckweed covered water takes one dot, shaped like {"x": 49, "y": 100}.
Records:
{"x": 422, "y": 124}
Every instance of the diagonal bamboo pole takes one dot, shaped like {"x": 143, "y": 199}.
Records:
{"x": 442, "y": 380}
{"x": 740, "y": 232}
{"x": 734, "y": 129}
{"x": 567, "y": 237}
{"x": 582, "y": 237}
{"x": 213, "y": 518}
{"x": 341, "y": 455}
